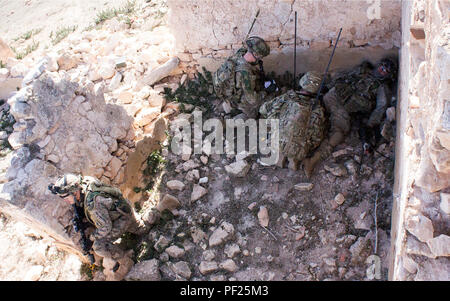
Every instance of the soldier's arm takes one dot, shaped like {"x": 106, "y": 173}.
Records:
{"x": 377, "y": 114}
{"x": 248, "y": 86}
{"x": 100, "y": 216}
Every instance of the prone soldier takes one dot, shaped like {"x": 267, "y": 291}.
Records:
{"x": 362, "y": 92}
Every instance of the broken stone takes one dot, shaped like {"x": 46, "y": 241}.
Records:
{"x": 415, "y": 247}
{"x": 197, "y": 235}
{"x": 209, "y": 255}
{"x": 161, "y": 244}
{"x": 175, "y": 251}
{"x": 339, "y": 199}
{"x": 440, "y": 246}
{"x": 339, "y": 153}
{"x": 409, "y": 264}
{"x": 192, "y": 175}
{"x": 222, "y": 234}
{"x": 198, "y": 192}
{"x": 182, "y": 269}
{"x": 263, "y": 216}
{"x": 147, "y": 270}
{"x": 445, "y": 203}
{"x": 207, "y": 267}
{"x": 337, "y": 170}
{"x": 121, "y": 62}
{"x": 168, "y": 202}
{"x": 304, "y": 186}
{"x": 160, "y": 72}
{"x": 238, "y": 169}
{"x": 67, "y": 62}
{"x": 251, "y": 206}
{"x": 204, "y": 159}
{"x": 203, "y": 180}
{"x": 232, "y": 250}
{"x": 175, "y": 185}
{"x": 420, "y": 226}
{"x": 431, "y": 270}
{"x": 229, "y": 265}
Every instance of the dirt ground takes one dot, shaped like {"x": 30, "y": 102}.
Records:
{"x": 309, "y": 236}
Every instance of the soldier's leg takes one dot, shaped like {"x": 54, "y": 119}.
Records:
{"x": 322, "y": 152}
{"x": 339, "y": 127}
{"x": 105, "y": 248}
{"x": 339, "y": 118}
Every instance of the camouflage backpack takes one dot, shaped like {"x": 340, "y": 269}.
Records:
{"x": 92, "y": 188}
{"x": 224, "y": 78}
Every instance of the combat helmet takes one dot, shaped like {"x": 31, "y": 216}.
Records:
{"x": 310, "y": 81}
{"x": 258, "y": 47}
{"x": 66, "y": 185}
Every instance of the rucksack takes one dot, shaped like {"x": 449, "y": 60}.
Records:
{"x": 224, "y": 79}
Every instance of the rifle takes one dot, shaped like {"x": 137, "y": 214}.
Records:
{"x": 326, "y": 70}
{"x": 79, "y": 226}
{"x": 251, "y": 27}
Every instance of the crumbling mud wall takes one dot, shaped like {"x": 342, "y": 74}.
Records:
{"x": 420, "y": 242}
{"x": 208, "y": 31}
{"x": 60, "y": 127}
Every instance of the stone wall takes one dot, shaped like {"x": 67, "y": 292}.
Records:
{"x": 60, "y": 127}
{"x": 420, "y": 241}
{"x": 208, "y": 31}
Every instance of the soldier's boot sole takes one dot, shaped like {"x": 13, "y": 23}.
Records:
{"x": 281, "y": 161}
{"x": 310, "y": 163}
{"x": 293, "y": 164}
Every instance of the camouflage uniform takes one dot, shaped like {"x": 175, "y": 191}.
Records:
{"x": 106, "y": 209}
{"x": 301, "y": 126}
{"x": 239, "y": 82}
{"x": 358, "y": 91}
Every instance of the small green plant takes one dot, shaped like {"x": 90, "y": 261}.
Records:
{"x": 29, "y": 34}
{"x": 61, "y": 34}
{"x": 195, "y": 92}
{"x": 30, "y": 48}
{"x": 109, "y": 13}
{"x": 2, "y": 65}
{"x": 155, "y": 162}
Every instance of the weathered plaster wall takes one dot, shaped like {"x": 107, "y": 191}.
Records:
{"x": 208, "y": 31}
{"x": 420, "y": 241}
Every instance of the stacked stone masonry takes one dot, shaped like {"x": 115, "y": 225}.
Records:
{"x": 421, "y": 244}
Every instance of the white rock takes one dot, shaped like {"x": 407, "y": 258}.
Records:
{"x": 263, "y": 216}
{"x": 222, "y": 234}
{"x": 198, "y": 192}
{"x": 147, "y": 270}
{"x": 440, "y": 246}
{"x": 420, "y": 226}
{"x": 182, "y": 269}
{"x": 159, "y": 73}
{"x": 175, "y": 251}
{"x": 115, "y": 81}
{"x": 175, "y": 185}
{"x": 232, "y": 250}
{"x": 125, "y": 97}
{"x": 207, "y": 267}
{"x": 18, "y": 70}
{"x": 168, "y": 202}
{"x": 339, "y": 199}
{"x": 107, "y": 70}
{"x": 4, "y": 73}
{"x": 203, "y": 180}
{"x": 238, "y": 169}
{"x": 146, "y": 116}
{"x": 34, "y": 273}
{"x": 304, "y": 186}
{"x": 445, "y": 202}
{"x": 229, "y": 265}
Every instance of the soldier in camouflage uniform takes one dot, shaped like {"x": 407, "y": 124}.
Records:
{"x": 360, "y": 92}
{"x": 301, "y": 126}
{"x": 105, "y": 208}
{"x": 239, "y": 81}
